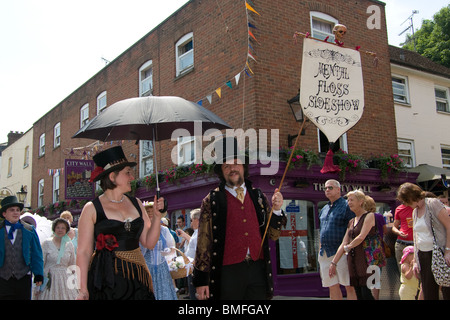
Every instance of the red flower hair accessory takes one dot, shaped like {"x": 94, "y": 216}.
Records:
{"x": 95, "y": 173}
{"x": 107, "y": 241}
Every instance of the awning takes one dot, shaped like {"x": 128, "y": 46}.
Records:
{"x": 432, "y": 176}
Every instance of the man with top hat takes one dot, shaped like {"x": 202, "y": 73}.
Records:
{"x": 20, "y": 253}
{"x": 230, "y": 261}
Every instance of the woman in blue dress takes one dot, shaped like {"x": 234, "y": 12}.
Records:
{"x": 163, "y": 286}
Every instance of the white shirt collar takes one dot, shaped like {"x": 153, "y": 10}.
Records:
{"x": 232, "y": 190}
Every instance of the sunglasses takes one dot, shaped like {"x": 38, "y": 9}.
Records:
{"x": 329, "y": 188}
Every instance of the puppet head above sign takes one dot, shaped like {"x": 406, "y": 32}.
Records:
{"x": 339, "y": 32}
{"x": 331, "y": 87}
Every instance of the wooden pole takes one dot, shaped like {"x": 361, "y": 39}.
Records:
{"x": 282, "y": 180}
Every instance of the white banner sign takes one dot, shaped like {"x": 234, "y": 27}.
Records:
{"x": 331, "y": 87}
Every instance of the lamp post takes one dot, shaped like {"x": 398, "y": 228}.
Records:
{"x": 22, "y": 195}
{"x": 296, "y": 108}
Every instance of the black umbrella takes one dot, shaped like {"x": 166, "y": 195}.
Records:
{"x": 149, "y": 118}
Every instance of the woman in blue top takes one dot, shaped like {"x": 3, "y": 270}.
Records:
{"x": 163, "y": 286}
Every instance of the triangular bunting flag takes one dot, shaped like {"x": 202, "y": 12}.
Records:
{"x": 251, "y": 34}
{"x": 228, "y": 83}
{"x": 200, "y": 102}
{"x": 252, "y": 26}
{"x": 251, "y": 9}
{"x": 236, "y": 77}
{"x": 219, "y": 92}
{"x": 250, "y": 55}
{"x": 248, "y": 67}
{"x": 209, "y": 98}
{"x": 247, "y": 73}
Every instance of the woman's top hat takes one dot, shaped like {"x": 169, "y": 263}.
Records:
{"x": 110, "y": 160}
{"x": 10, "y": 201}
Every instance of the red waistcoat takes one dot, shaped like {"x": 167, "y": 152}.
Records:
{"x": 242, "y": 230}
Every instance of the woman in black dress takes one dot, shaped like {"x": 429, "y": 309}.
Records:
{"x": 111, "y": 265}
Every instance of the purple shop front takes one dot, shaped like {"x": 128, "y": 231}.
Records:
{"x": 296, "y": 271}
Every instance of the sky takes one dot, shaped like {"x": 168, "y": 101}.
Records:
{"x": 51, "y": 47}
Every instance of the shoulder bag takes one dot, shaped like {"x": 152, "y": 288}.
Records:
{"x": 440, "y": 269}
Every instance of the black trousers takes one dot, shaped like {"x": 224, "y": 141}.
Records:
{"x": 244, "y": 281}
{"x": 430, "y": 288}
{"x": 15, "y": 289}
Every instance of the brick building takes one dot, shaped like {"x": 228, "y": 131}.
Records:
{"x": 199, "y": 53}
{"x": 219, "y": 34}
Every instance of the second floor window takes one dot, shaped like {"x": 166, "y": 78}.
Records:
{"x": 26, "y": 157}
{"x": 84, "y": 115}
{"x": 442, "y": 103}
{"x": 42, "y": 145}
{"x": 400, "y": 89}
{"x": 57, "y": 135}
{"x": 10, "y": 167}
{"x": 146, "y": 79}
{"x": 322, "y": 26}
{"x": 101, "y": 102}
{"x": 184, "y": 51}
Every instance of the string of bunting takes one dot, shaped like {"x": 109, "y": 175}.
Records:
{"x": 87, "y": 152}
{"x": 55, "y": 172}
{"x": 357, "y": 48}
{"x": 251, "y": 27}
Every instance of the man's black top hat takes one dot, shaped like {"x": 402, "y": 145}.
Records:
{"x": 112, "y": 159}
{"x": 10, "y": 201}
{"x": 227, "y": 149}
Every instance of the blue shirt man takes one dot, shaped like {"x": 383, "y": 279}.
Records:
{"x": 334, "y": 219}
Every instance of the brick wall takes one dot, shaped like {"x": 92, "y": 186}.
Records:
{"x": 220, "y": 52}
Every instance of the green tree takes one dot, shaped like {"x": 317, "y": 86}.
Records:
{"x": 433, "y": 38}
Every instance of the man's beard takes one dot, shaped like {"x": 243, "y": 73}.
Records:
{"x": 239, "y": 182}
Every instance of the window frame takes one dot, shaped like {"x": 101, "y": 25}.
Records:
{"x": 26, "y": 157}
{"x": 406, "y": 89}
{"x": 56, "y": 187}
{"x": 181, "y": 142}
{"x": 57, "y": 135}
{"x": 84, "y": 111}
{"x": 322, "y": 17}
{"x": 41, "y": 193}
{"x": 442, "y": 100}
{"x": 413, "y": 153}
{"x": 142, "y": 79}
{"x": 183, "y": 41}
{"x": 444, "y": 165}
{"x": 143, "y": 158}
{"x": 99, "y": 100}
{"x": 10, "y": 167}
{"x": 342, "y": 142}
{"x": 41, "y": 151}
